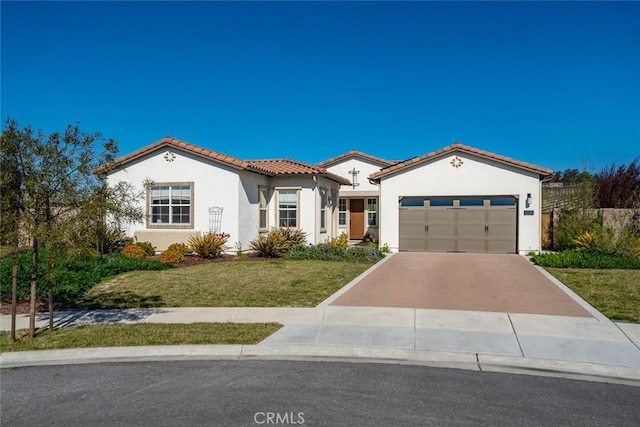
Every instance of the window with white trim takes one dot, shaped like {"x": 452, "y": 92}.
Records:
{"x": 323, "y": 209}
{"x": 288, "y": 208}
{"x": 263, "y": 208}
{"x": 372, "y": 212}
{"x": 342, "y": 211}
{"x": 170, "y": 205}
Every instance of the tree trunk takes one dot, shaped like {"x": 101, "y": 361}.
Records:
{"x": 50, "y": 286}
{"x": 14, "y": 290}
{"x": 34, "y": 283}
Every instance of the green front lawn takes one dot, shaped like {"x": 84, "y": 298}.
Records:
{"x": 615, "y": 293}
{"x": 141, "y": 334}
{"x": 277, "y": 283}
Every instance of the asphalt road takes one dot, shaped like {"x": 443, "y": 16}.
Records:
{"x": 230, "y": 393}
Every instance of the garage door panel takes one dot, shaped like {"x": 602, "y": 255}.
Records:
{"x": 440, "y": 245}
{"x": 413, "y": 215}
{"x": 472, "y": 216}
{"x": 471, "y": 245}
{"x": 501, "y": 231}
{"x": 440, "y": 215}
{"x": 471, "y": 231}
{"x": 441, "y": 231}
{"x": 469, "y": 228}
{"x": 417, "y": 244}
{"x": 501, "y": 246}
{"x": 501, "y": 215}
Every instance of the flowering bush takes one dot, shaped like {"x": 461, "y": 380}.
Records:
{"x": 171, "y": 256}
{"x": 209, "y": 245}
{"x": 134, "y": 251}
{"x": 179, "y": 247}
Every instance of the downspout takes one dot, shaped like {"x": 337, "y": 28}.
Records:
{"x": 377, "y": 183}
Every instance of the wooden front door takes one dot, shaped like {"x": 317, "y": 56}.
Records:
{"x": 356, "y": 218}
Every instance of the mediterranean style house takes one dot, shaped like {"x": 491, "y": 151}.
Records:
{"x": 455, "y": 199}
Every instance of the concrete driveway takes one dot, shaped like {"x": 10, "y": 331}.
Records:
{"x": 461, "y": 281}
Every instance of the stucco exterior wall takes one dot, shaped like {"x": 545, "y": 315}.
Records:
{"x": 248, "y": 208}
{"x": 363, "y": 190}
{"x": 309, "y": 205}
{"x": 475, "y": 177}
{"x": 366, "y": 168}
{"x": 214, "y": 184}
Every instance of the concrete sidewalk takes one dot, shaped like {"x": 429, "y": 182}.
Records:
{"x": 472, "y": 340}
{"x": 481, "y": 340}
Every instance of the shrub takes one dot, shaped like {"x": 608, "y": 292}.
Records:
{"x": 134, "y": 251}
{"x": 113, "y": 240}
{"x": 72, "y": 276}
{"x": 342, "y": 241}
{"x": 209, "y": 245}
{"x": 179, "y": 247}
{"x": 587, "y": 259}
{"x": 149, "y": 249}
{"x": 385, "y": 248}
{"x": 573, "y": 224}
{"x": 586, "y": 240}
{"x": 269, "y": 245}
{"x": 277, "y": 241}
{"x": 171, "y": 256}
{"x": 292, "y": 236}
{"x": 326, "y": 252}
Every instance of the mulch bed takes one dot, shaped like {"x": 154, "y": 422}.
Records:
{"x": 42, "y": 303}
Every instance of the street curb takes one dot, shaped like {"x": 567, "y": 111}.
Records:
{"x": 466, "y": 361}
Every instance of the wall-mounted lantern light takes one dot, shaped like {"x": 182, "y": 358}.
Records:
{"x": 529, "y": 200}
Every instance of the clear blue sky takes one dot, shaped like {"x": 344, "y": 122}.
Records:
{"x": 555, "y": 84}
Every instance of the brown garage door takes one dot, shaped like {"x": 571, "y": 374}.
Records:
{"x": 459, "y": 224}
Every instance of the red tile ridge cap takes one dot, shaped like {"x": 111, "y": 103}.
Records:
{"x": 354, "y": 153}
{"x": 460, "y": 146}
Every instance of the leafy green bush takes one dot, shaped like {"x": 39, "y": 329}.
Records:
{"x": 134, "y": 251}
{"x": 209, "y": 245}
{"x": 573, "y": 224}
{"x": 72, "y": 276}
{"x": 277, "y": 241}
{"x": 587, "y": 259}
{"x": 149, "y": 249}
{"x": 179, "y": 247}
{"x": 171, "y": 256}
{"x": 113, "y": 240}
{"x": 326, "y": 252}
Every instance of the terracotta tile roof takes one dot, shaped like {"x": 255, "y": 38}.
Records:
{"x": 169, "y": 141}
{"x": 265, "y": 167}
{"x": 355, "y": 153}
{"x": 286, "y": 167}
{"x": 457, "y": 146}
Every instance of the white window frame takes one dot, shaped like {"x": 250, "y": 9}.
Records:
{"x": 342, "y": 213}
{"x": 296, "y": 209}
{"x": 323, "y": 209}
{"x": 371, "y": 212}
{"x": 263, "y": 208}
{"x": 171, "y": 206}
